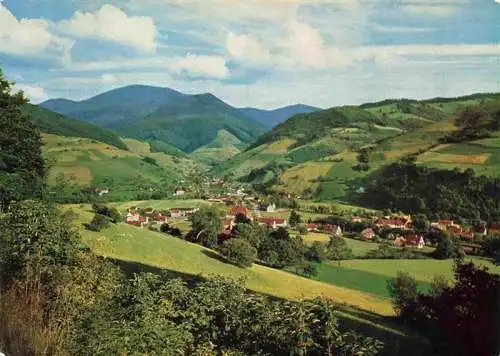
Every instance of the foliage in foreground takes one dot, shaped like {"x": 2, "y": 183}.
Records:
{"x": 463, "y": 319}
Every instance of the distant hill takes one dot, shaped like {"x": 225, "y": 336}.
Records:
{"x": 54, "y": 123}
{"x": 315, "y": 155}
{"x": 271, "y": 118}
{"x": 223, "y": 147}
{"x": 115, "y": 106}
{"x": 162, "y": 115}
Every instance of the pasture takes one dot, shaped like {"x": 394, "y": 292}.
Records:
{"x": 136, "y": 245}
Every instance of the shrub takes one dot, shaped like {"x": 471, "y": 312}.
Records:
{"x": 239, "y": 252}
{"x": 317, "y": 252}
{"x": 98, "y": 223}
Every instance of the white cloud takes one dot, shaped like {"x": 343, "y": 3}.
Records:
{"x": 245, "y": 47}
{"x": 29, "y": 36}
{"x": 112, "y": 24}
{"x": 35, "y": 93}
{"x": 306, "y": 44}
{"x": 200, "y": 66}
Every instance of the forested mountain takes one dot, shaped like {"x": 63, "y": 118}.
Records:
{"x": 119, "y": 105}
{"x": 162, "y": 115}
{"x": 57, "y": 124}
{"x": 192, "y": 122}
{"x": 271, "y": 118}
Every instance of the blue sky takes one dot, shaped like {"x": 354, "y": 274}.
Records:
{"x": 261, "y": 53}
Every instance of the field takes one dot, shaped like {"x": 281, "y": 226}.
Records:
{"x": 298, "y": 178}
{"x": 153, "y": 249}
{"x": 84, "y": 162}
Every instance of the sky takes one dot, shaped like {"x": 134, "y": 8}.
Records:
{"x": 259, "y": 53}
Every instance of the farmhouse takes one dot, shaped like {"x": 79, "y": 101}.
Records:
{"x": 160, "y": 218}
{"x": 271, "y": 208}
{"x": 312, "y": 227}
{"x": 228, "y": 224}
{"x": 332, "y": 229}
{"x": 273, "y": 222}
{"x": 368, "y": 234}
{"x": 394, "y": 222}
{"x": 444, "y": 225}
{"x": 399, "y": 241}
{"x": 137, "y": 220}
{"x": 180, "y": 192}
{"x": 414, "y": 241}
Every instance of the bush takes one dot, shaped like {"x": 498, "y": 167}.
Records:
{"x": 317, "y": 252}
{"x": 403, "y": 291}
{"x": 239, "y": 252}
{"x": 98, "y": 223}
{"x": 111, "y": 213}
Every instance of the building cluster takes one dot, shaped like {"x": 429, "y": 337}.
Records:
{"x": 147, "y": 216}
{"x": 454, "y": 229}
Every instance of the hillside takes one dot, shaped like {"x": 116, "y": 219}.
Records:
{"x": 127, "y": 174}
{"x": 223, "y": 147}
{"x": 192, "y": 122}
{"x": 57, "y": 124}
{"x": 315, "y": 155}
{"x": 271, "y": 118}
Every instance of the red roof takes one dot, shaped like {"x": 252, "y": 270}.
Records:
{"x": 495, "y": 226}
{"x": 413, "y": 239}
{"x": 445, "y": 222}
{"x": 311, "y": 226}
{"x": 392, "y": 222}
{"x": 368, "y": 233}
{"x": 239, "y": 210}
{"x": 329, "y": 228}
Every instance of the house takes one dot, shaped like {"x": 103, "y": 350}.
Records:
{"x": 104, "y": 191}
{"x": 445, "y": 225}
{"x": 179, "y": 192}
{"x": 177, "y": 213}
{"x": 312, "y": 227}
{"x": 394, "y": 222}
{"x": 356, "y": 219}
{"x": 160, "y": 218}
{"x": 136, "y": 220}
{"x": 414, "y": 241}
{"x": 273, "y": 222}
{"x": 368, "y": 234}
{"x": 332, "y": 229}
{"x": 271, "y": 208}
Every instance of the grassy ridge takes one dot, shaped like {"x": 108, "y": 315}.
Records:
{"x": 53, "y": 123}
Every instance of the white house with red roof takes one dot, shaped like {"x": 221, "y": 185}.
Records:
{"x": 273, "y": 222}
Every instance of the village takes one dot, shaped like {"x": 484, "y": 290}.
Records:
{"x": 396, "y": 229}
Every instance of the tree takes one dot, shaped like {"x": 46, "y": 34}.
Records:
{"x": 363, "y": 156}
{"x": 241, "y": 219}
{"x": 403, "y": 292}
{"x": 254, "y": 234}
{"x": 238, "y": 251}
{"x": 421, "y": 223}
{"x": 491, "y": 248}
{"x": 310, "y": 270}
{"x": 206, "y": 224}
{"x": 22, "y": 167}
{"x": 316, "y": 252}
{"x": 98, "y": 223}
{"x": 449, "y": 248}
{"x": 35, "y": 239}
{"x": 111, "y": 213}
{"x": 295, "y": 218}
{"x": 337, "y": 249}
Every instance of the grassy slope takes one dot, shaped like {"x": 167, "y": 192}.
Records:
{"x": 154, "y": 249}
{"x": 396, "y": 128}
{"x": 53, "y": 123}
{"x": 85, "y": 161}
{"x": 223, "y": 147}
